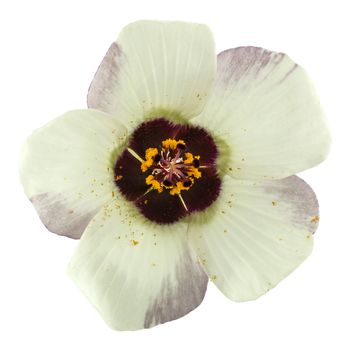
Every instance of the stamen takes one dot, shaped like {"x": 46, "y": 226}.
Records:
{"x": 189, "y": 158}
{"x": 168, "y": 168}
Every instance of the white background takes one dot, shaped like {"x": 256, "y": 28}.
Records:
{"x": 49, "y": 51}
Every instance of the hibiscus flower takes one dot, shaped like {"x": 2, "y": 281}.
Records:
{"x": 181, "y": 169}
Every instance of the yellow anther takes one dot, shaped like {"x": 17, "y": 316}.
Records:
{"x": 192, "y": 171}
{"x": 151, "y": 152}
{"x": 169, "y": 143}
{"x": 181, "y": 142}
{"x": 189, "y": 158}
{"x": 149, "y": 179}
{"x": 146, "y": 164}
{"x": 179, "y": 187}
{"x": 156, "y": 185}
{"x": 149, "y": 155}
{"x": 172, "y": 143}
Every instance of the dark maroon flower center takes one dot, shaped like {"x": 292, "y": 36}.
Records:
{"x": 168, "y": 170}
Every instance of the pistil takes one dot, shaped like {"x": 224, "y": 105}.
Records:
{"x": 171, "y": 167}
{"x": 168, "y": 170}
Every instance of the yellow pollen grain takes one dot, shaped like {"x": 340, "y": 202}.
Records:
{"x": 133, "y": 242}
{"x": 315, "y": 219}
{"x": 118, "y": 177}
{"x": 273, "y": 203}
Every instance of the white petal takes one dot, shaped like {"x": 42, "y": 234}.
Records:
{"x": 267, "y": 112}
{"x": 156, "y": 69}
{"x": 135, "y": 273}
{"x": 260, "y": 232}
{"x": 67, "y": 169}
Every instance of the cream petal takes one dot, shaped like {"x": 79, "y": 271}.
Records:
{"x": 137, "y": 274}
{"x": 259, "y": 233}
{"x": 67, "y": 169}
{"x": 266, "y": 114}
{"x": 155, "y": 69}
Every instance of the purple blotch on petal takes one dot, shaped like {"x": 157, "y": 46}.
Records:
{"x": 305, "y": 204}
{"x": 128, "y": 176}
{"x": 161, "y": 208}
{"x": 151, "y": 134}
{"x": 235, "y": 64}
{"x": 204, "y": 191}
{"x": 199, "y": 142}
{"x": 164, "y": 208}
{"x": 177, "y": 300}
{"x": 60, "y": 218}
{"x": 100, "y": 94}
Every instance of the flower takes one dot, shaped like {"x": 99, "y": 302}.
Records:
{"x": 181, "y": 168}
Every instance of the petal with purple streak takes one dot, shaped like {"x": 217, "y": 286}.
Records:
{"x": 154, "y": 66}
{"x": 129, "y": 177}
{"x": 258, "y": 233}
{"x": 136, "y": 274}
{"x": 265, "y": 110}
{"x": 67, "y": 169}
